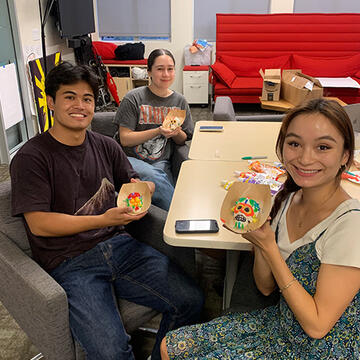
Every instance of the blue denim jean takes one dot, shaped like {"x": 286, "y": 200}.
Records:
{"x": 123, "y": 267}
{"x": 160, "y": 174}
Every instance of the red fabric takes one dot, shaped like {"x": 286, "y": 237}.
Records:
{"x": 225, "y": 74}
{"x": 105, "y": 49}
{"x": 112, "y": 88}
{"x": 248, "y": 90}
{"x": 249, "y": 67}
{"x": 196, "y": 68}
{"x": 241, "y": 86}
{"x": 327, "y": 66}
{"x": 243, "y": 36}
{"x": 267, "y": 35}
{"x": 342, "y": 92}
{"x": 126, "y": 62}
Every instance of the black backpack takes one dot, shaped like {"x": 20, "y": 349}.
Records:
{"x": 130, "y": 51}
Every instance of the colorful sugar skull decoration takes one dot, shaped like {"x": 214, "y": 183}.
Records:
{"x": 174, "y": 119}
{"x": 174, "y": 123}
{"x": 245, "y": 212}
{"x": 135, "y": 201}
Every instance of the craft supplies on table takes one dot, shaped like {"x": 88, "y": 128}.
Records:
{"x": 353, "y": 176}
{"x": 264, "y": 174}
{"x": 253, "y": 157}
{"x": 212, "y": 128}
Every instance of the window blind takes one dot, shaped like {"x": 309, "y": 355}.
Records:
{"x": 134, "y": 17}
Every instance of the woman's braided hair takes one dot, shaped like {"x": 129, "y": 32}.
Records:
{"x": 337, "y": 116}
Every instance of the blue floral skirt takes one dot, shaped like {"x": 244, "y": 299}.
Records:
{"x": 273, "y": 332}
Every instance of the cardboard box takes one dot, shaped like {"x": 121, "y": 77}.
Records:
{"x": 271, "y": 84}
{"x": 297, "y": 87}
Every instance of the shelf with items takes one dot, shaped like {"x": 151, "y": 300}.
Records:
{"x": 123, "y": 75}
{"x": 196, "y": 84}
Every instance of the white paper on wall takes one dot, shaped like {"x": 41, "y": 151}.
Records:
{"x": 10, "y": 102}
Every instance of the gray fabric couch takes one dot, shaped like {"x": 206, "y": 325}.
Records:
{"x": 39, "y": 304}
{"x": 224, "y": 111}
{"x": 353, "y": 111}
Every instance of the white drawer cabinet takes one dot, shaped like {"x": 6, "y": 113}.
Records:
{"x": 196, "y": 86}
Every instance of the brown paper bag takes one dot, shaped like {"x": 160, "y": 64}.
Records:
{"x": 246, "y": 207}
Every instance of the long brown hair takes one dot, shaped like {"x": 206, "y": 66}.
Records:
{"x": 337, "y": 116}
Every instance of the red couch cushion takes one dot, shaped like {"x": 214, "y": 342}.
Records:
{"x": 249, "y": 67}
{"x": 105, "y": 49}
{"x": 327, "y": 66}
{"x": 225, "y": 74}
{"x": 241, "y": 86}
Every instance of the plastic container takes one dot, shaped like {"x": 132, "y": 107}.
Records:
{"x": 198, "y": 58}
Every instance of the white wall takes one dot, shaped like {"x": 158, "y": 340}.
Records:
{"x": 281, "y": 6}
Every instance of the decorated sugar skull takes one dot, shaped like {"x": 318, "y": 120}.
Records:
{"x": 135, "y": 201}
{"x": 174, "y": 123}
{"x": 245, "y": 212}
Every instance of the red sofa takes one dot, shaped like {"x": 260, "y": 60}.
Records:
{"x": 321, "y": 45}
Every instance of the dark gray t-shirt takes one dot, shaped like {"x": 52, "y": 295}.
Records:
{"x": 142, "y": 110}
{"x": 49, "y": 176}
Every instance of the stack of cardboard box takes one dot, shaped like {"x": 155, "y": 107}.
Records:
{"x": 289, "y": 89}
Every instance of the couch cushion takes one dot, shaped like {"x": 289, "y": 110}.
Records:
{"x": 225, "y": 74}
{"x": 241, "y": 86}
{"x": 341, "y": 66}
{"x": 102, "y": 123}
{"x": 105, "y": 49}
{"x": 134, "y": 315}
{"x": 12, "y": 227}
{"x": 357, "y": 75}
{"x": 249, "y": 67}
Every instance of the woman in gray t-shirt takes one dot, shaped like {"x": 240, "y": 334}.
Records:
{"x": 140, "y": 115}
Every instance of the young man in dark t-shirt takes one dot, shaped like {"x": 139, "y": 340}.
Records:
{"x": 63, "y": 184}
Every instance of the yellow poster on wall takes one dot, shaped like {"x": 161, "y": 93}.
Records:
{"x": 38, "y": 82}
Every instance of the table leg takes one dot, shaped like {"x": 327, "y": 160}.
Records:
{"x": 232, "y": 261}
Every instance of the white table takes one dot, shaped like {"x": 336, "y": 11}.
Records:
{"x": 238, "y": 139}
{"x": 199, "y": 195}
